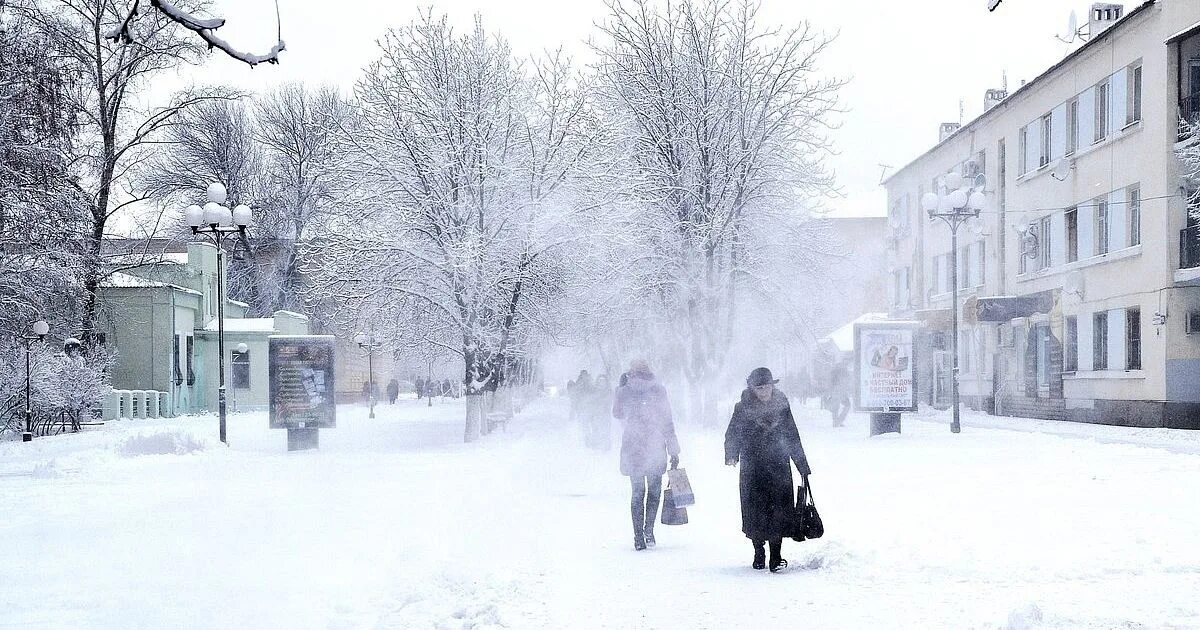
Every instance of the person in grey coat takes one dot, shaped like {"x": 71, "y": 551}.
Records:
{"x": 647, "y": 440}
{"x": 763, "y": 438}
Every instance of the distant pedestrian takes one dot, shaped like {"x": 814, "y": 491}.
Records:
{"x": 420, "y": 388}
{"x": 393, "y": 391}
{"x": 447, "y": 388}
{"x": 840, "y": 388}
{"x": 598, "y": 415}
{"x": 763, "y": 438}
{"x": 578, "y": 391}
{"x": 647, "y": 439}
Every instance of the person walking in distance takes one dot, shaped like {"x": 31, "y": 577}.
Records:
{"x": 763, "y": 438}
{"x": 647, "y": 440}
{"x": 840, "y": 387}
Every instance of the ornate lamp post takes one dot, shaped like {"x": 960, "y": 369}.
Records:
{"x": 368, "y": 343}
{"x": 955, "y": 205}
{"x": 40, "y": 329}
{"x": 216, "y": 221}
{"x": 241, "y": 349}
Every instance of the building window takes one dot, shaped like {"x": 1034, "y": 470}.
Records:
{"x": 1045, "y": 239}
{"x": 1100, "y": 341}
{"x": 239, "y": 373}
{"x": 1134, "y": 197}
{"x": 1047, "y": 127}
{"x": 1023, "y": 148}
{"x": 1071, "y": 220}
{"x": 1072, "y": 125}
{"x": 1192, "y": 325}
{"x": 1134, "y": 94}
{"x": 1101, "y": 226}
{"x": 1071, "y": 352}
{"x": 176, "y": 370}
{"x": 981, "y": 264}
{"x": 1102, "y": 106}
{"x": 1133, "y": 339}
{"x": 191, "y": 349}
{"x": 1042, "y": 335}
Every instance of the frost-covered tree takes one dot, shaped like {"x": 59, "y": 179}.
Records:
{"x": 723, "y": 123}
{"x": 464, "y": 161}
{"x": 40, "y": 210}
{"x": 276, "y": 153}
{"x": 115, "y": 129}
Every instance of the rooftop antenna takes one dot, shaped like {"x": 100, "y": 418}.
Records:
{"x": 883, "y": 172}
{"x": 1074, "y": 30}
{"x": 961, "y": 110}
{"x": 1004, "y": 80}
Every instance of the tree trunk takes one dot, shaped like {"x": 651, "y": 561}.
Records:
{"x": 474, "y": 417}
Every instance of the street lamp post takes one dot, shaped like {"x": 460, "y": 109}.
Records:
{"x": 368, "y": 343}
{"x": 40, "y": 330}
{"x": 956, "y": 205}
{"x": 217, "y": 221}
{"x": 241, "y": 349}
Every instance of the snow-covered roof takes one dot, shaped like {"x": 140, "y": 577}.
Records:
{"x": 238, "y": 302}
{"x": 843, "y": 337}
{"x": 292, "y": 314}
{"x": 150, "y": 258}
{"x": 129, "y": 281}
{"x": 245, "y": 324}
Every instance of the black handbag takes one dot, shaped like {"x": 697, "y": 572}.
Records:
{"x": 672, "y": 515}
{"x": 807, "y": 523}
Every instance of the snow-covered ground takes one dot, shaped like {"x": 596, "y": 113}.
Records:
{"x": 396, "y": 524}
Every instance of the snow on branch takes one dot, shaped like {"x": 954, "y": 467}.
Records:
{"x": 205, "y": 28}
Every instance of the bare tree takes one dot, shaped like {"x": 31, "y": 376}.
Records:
{"x": 462, "y": 163}
{"x": 724, "y": 122}
{"x": 115, "y": 130}
{"x": 297, "y": 129}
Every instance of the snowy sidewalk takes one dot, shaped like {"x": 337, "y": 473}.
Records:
{"x": 395, "y": 523}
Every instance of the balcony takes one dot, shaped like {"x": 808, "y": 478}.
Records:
{"x": 1189, "y": 247}
{"x": 1189, "y": 257}
{"x": 1189, "y": 112}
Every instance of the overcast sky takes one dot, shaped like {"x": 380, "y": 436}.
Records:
{"x": 909, "y": 62}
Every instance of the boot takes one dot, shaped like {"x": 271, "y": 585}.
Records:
{"x": 760, "y": 556}
{"x": 777, "y": 561}
{"x": 648, "y": 528}
{"x": 638, "y": 511}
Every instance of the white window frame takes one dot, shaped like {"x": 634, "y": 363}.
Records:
{"x": 1047, "y": 126}
{"x": 1072, "y": 126}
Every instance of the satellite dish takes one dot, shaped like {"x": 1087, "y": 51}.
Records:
{"x": 1062, "y": 169}
{"x": 1073, "y": 284}
{"x": 1072, "y": 24}
{"x": 981, "y": 181}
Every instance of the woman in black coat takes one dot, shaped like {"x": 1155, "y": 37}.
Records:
{"x": 762, "y": 436}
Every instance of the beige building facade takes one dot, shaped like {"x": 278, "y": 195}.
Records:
{"x": 1087, "y": 236}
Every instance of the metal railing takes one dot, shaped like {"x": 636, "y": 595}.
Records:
{"x": 1189, "y": 247}
{"x": 1189, "y": 112}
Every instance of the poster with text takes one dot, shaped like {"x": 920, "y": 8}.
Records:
{"x": 886, "y": 358}
{"x": 301, "y": 382}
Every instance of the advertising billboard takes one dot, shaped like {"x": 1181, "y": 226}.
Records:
{"x": 301, "y": 382}
{"x": 885, "y": 366}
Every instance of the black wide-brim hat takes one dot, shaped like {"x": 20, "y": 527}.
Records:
{"x": 760, "y": 376}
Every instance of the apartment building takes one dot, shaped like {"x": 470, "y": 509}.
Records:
{"x": 1080, "y": 281}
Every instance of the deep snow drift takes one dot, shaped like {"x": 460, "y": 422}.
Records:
{"x": 395, "y": 524}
